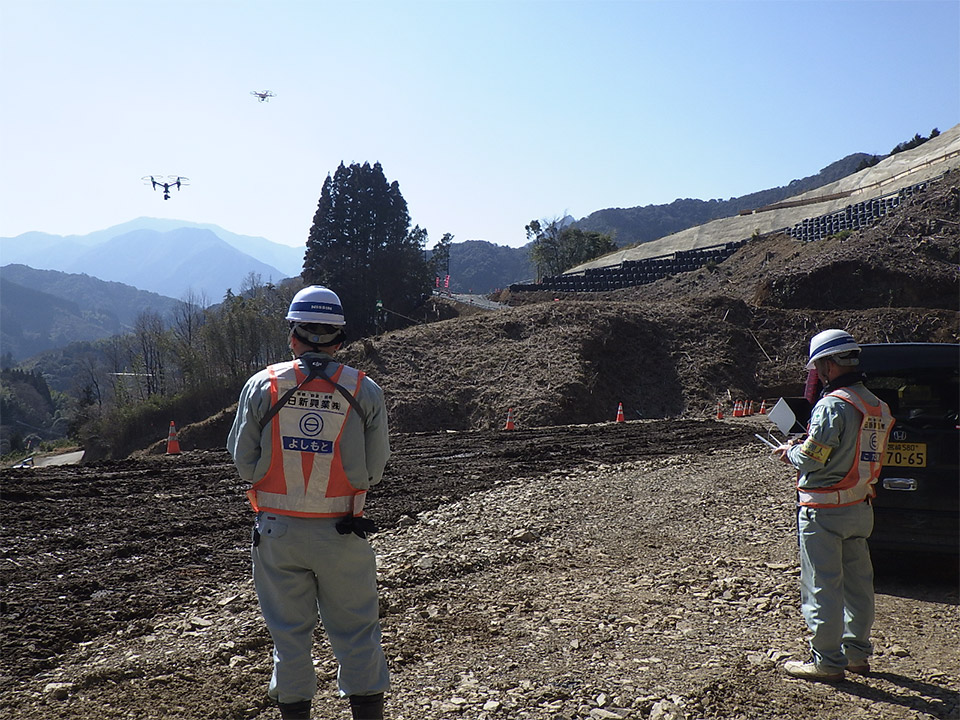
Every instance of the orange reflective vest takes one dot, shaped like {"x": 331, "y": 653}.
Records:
{"x": 306, "y": 477}
{"x": 857, "y": 485}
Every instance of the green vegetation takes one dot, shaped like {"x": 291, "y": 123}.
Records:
{"x": 478, "y": 266}
{"x": 440, "y": 256}
{"x": 868, "y": 162}
{"x": 120, "y": 394}
{"x": 916, "y": 141}
{"x": 557, "y": 248}
{"x": 31, "y": 413}
{"x": 842, "y": 235}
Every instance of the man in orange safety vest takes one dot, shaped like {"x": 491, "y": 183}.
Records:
{"x": 310, "y": 436}
{"x": 838, "y": 464}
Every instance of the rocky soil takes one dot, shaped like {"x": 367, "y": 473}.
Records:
{"x": 572, "y": 568}
{"x": 637, "y": 570}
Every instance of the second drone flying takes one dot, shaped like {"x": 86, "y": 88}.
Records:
{"x": 178, "y": 181}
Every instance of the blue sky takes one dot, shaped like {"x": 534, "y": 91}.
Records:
{"x": 488, "y": 114}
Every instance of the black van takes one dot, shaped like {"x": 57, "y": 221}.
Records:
{"x": 917, "y": 507}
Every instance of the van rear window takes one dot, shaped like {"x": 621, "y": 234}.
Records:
{"x": 927, "y": 394}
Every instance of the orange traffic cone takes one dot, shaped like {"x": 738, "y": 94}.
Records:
{"x": 509, "y": 425}
{"x": 763, "y": 407}
{"x": 173, "y": 444}
{"x": 719, "y": 411}
{"x": 738, "y": 409}
{"x": 620, "y": 412}
{"x": 749, "y": 408}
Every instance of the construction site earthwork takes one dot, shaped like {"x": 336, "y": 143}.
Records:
{"x": 620, "y": 551}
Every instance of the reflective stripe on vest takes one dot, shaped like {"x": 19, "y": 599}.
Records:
{"x": 306, "y": 476}
{"x": 857, "y": 485}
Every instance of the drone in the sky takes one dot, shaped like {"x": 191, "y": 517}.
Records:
{"x": 175, "y": 181}
{"x": 263, "y": 96}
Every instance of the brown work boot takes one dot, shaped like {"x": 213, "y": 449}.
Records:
{"x": 859, "y": 669}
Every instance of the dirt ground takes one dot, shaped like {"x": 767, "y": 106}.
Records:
{"x": 635, "y": 570}
{"x": 572, "y": 568}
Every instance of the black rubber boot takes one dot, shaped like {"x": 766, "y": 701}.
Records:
{"x": 367, "y": 707}
{"x": 295, "y": 711}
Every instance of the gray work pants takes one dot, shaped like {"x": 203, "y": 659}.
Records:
{"x": 836, "y": 583}
{"x": 303, "y": 566}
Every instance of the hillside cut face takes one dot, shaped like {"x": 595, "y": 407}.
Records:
{"x": 679, "y": 345}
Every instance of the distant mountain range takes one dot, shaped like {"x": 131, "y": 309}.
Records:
{"x": 45, "y": 309}
{"x": 168, "y": 257}
{"x": 58, "y": 289}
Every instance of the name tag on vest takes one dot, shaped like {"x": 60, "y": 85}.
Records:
{"x": 303, "y": 444}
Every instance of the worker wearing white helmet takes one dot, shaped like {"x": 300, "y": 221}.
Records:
{"x": 311, "y": 437}
{"x": 316, "y": 317}
{"x": 316, "y": 304}
{"x": 838, "y": 464}
{"x": 836, "y": 344}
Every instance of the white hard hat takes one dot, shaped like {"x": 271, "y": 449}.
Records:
{"x": 830, "y": 342}
{"x": 316, "y": 304}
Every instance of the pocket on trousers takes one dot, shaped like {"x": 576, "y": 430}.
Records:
{"x": 271, "y": 527}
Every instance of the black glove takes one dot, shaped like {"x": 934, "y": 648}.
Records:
{"x": 360, "y": 526}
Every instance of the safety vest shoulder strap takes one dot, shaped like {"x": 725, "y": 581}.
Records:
{"x": 854, "y": 399}
{"x": 316, "y": 367}
{"x": 275, "y": 371}
{"x": 349, "y": 375}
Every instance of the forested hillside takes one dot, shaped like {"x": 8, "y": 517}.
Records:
{"x": 32, "y": 321}
{"x": 29, "y": 410}
{"x": 477, "y": 266}
{"x": 45, "y": 309}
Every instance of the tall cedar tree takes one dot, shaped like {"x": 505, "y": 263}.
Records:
{"x": 361, "y": 247}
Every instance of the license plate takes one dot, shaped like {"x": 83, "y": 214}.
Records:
{"x": 906, "y": 455}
